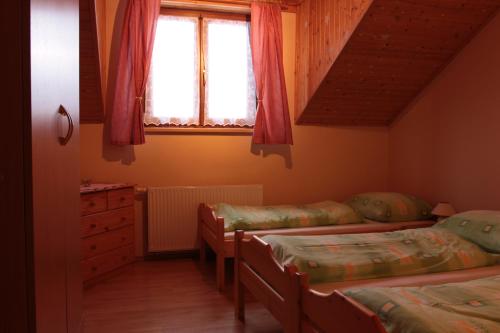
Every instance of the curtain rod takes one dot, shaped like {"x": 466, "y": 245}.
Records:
{"x": 242, "y": 6}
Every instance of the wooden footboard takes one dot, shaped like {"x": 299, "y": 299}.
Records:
{"x": 211, "y": 232}
{"x": 277, "y": 287}
{"x": 336, "y": 313}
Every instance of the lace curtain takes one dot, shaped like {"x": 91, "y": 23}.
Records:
{"x": 230, "y": 88}
{"x": 173, "y": 91}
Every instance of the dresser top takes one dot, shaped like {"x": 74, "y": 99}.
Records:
{"x": 102, "y": 187}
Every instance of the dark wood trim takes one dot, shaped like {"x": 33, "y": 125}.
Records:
{"x": 27, "y": 154}
{"x": 202, "y": 70}
{"x": 91, "y": 102}
{"x": 226, "y": 5}
{"x": 17, "y": 286}
{"x": 203, "y": 14}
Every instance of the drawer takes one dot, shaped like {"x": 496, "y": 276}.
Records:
{"x": 103, "y": 222}
{"x": 99, "y": 244}
{"x": 120, "y": 198}
{"x": 107, "y": 262}
{"x": 93, "y": 203}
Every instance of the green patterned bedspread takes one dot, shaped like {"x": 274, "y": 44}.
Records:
{"x": 467, "y": 307}
{"x": 286, "y": 216}
{"x": 335, "y": 258}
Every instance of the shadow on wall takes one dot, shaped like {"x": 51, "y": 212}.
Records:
{"x": 112, "y": 153}
{"x": 284, "y": 151}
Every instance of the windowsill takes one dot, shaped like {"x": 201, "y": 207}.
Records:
{"x": 198, "y": 131}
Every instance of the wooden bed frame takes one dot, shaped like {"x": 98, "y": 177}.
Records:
{"x": 276, "y": 287}
{"x": 287, "y": 295}
{"x": 317, "y": 308}
{"x": 211, "y": 232}
{"x": 355, "y": 316}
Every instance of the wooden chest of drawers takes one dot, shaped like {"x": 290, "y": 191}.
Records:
{"x": 107, "y": 228}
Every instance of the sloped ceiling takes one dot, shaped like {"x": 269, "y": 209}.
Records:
{"x": 361, "y": 62}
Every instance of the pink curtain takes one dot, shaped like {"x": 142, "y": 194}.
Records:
{"x": 272, "y": 124}
{"x": 126, "y": 126}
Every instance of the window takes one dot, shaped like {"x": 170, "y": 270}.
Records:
{"x": 201, "y": 72}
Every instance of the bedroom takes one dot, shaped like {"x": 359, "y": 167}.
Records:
{"x": 437, "y": 143}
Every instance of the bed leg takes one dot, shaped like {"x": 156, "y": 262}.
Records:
{"x": 201, "y": 241}
{"x": 203, "y": 250}
{"x": 239, "y": 290}
{"x": 221, "y": 272}
{"x": 239, "y": 301}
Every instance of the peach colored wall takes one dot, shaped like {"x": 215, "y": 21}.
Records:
{"x": 446, "y": 146}
{"x": 324, "y": 163}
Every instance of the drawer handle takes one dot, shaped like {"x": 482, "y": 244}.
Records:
{"x": 122, "y": 199}
{"x": 93, "y": 247}
{"x": 92, "y": 204}
{"x": 93, "y": 226}
{"x": 94, "y": 269}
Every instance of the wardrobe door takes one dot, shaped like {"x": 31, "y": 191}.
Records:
{"x": 54, "y": 52}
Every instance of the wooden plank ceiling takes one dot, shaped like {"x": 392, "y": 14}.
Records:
{"x": 361, "y": 62}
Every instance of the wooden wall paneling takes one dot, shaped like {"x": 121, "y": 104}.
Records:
{"x": 397, "y": 48}
{"x": 323, "y": 28}
{"x": 302, "y": 57}
{"x": 100, "y": 11}
{"x": 91, "y": 94}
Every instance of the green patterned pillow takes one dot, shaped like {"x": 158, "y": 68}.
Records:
{"x": 481, "y": 227}
{"x": 390, "y": 207}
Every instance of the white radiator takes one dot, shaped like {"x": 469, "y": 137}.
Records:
{"x": 172, "y": 212}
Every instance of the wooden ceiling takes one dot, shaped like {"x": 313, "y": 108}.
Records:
{"x": 361, "y": 62}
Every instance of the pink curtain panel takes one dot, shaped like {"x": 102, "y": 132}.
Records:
{"x": 272, "y": 124}
{"x": 135, "y": 52}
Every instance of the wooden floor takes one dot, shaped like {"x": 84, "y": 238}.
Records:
{"x": 167, "y": 296}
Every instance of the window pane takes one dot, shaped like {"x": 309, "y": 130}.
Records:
{"x": 173, "y": 87}
{"x": 230, "y": 87}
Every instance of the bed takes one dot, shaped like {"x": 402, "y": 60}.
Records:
{"x": 282, "y": 286}
{"x": 213, "y": 231}
{"x": 317, "y": 308}
{"x": 470, "y": 305}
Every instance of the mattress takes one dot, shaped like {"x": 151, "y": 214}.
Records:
{"x": 336, "y": 258}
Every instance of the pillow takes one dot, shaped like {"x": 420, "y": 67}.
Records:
{"x": 481, "y": 227}
{"x": 390, "y": 207}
